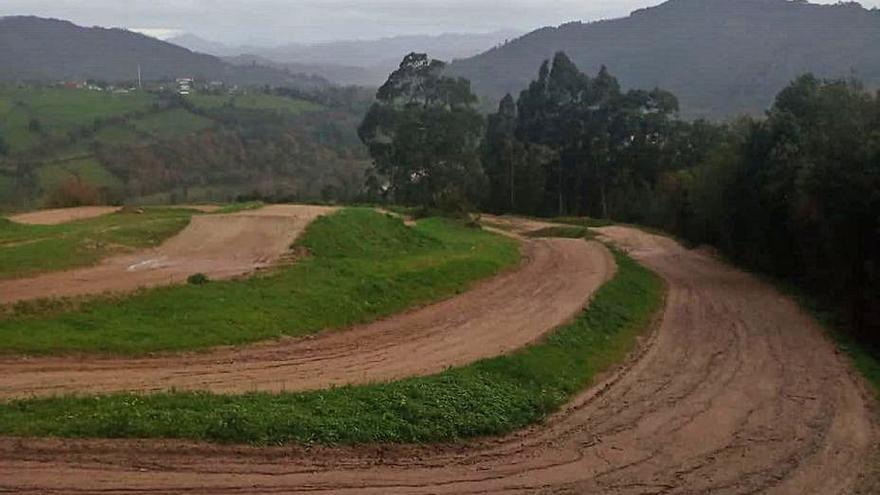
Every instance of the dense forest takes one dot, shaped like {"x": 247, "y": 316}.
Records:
{"x": 795, "y": 194}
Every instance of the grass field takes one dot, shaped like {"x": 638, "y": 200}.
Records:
{"x": 31, "y": 249}
{"x": 254, "y": 101}
{"x": 116, "y": 135}
{"x": 363, "y": 265}
{"x": 173, "y": 123}
{"x": 59, "y": 111}
{"x": 490, "y": 397}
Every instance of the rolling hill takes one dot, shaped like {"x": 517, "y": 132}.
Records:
{"x": 64, "y": 147}
{"x": 50, "y": 50}
{"x": 720, "y": 57}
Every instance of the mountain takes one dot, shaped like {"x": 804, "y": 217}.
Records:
{"x": 720, "y": 57}
{"x": 362, "y": 62}
{"x": 37, "y": 49}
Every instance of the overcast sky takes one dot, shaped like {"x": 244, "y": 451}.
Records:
{"x": 281, "y": 21}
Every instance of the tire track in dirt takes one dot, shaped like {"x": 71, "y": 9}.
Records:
{"x": 553, "y": 284}
{"x": 737, "y": 392}
{"x": 220, "y": 246}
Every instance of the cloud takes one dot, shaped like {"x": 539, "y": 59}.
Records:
{"x": 160, "y": 33}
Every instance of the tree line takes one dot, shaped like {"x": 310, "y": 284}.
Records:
{"x": 795, "y": 194}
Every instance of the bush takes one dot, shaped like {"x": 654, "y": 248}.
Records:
{"x": 73, "y": 192}
{"x": 198, "y": 279}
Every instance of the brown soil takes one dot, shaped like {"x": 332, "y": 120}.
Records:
{"x": 220, "y": 246}
{"x": 505, "y": 313}
{"x": 737, "y": 392}
{"x": 62, "y": 215}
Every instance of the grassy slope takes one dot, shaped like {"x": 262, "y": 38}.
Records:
{"x": 173, "y": 123}
{"x": 490, "y": 397}
{"x": 254, "y": 101}
{"x": 363, "y": 265}
{"x": 31, "y": 249}
{"x": 60, "y": 111}
{"x": 86, "y": 169}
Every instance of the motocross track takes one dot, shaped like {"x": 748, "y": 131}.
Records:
{"x": 736, "y": 392}
{"x": 552, "y": 285}
{"x": 62, "y": 215}
{"x": 220, "y": 246}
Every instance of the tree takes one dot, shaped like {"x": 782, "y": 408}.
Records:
{"x": 599, "y": 135}
{"x": 424, "y": 134}
{"x": 4, "y": 147}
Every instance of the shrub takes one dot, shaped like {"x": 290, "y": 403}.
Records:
{"x": 198, "y": 279}
{"x": 73, "y": 192}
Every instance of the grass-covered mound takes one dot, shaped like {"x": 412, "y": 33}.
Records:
{"x": 362, "y": 265}
{"x": 490, "y": 397}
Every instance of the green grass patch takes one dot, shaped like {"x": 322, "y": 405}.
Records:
{"x": 363, "y": 265}
{"x": 254, "y": 101}
{"x": 582, "y": 221}
{"x": 117, "y": 135}
{"x": 564, "y": 231}
{"x": 30, "y": 249}
{"x": 244, "y": 206}
{"x": 490, "y": 397}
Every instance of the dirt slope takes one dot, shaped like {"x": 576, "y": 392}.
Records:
{"x": 505, "y": 313}
{"x": 220, "y": 246}
{"x": 62, "y": 215}
{"x": 738, "y": 393}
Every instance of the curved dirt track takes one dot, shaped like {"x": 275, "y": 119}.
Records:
{"x": 62, "y": 215}
{"x": 737, "y": 393}
{"x": 220, "y": 246}
{"x": 500, "y": 315}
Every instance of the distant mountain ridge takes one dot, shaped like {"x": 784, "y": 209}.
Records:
{"x": 366, "y": 62}
{"x": 720, "y": 57}
{"x": 38, "y": 49}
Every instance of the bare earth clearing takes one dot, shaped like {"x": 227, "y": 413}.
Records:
{"x": 737, "y": 392}
{"x": 505, "y": 313}
{"x": 62, "y": 215}
{"x": 220, "y": 246}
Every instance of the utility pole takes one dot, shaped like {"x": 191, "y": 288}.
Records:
{"x": 140, "y": 85}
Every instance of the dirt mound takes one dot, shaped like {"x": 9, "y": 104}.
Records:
{"x": 738, "y": 393}
{"x": 62, "y": 215}
{"x": 500, "y": 315}
{"x": 220, "y": 246}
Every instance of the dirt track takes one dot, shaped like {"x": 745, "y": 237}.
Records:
{"x": 505, "y": 313}
{"x": 738, "y": 392}
{"x": 220, "y": 246}
{"x": 62, "y": 215}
